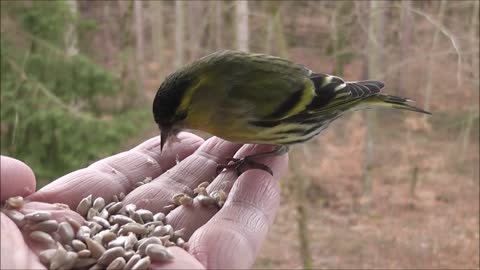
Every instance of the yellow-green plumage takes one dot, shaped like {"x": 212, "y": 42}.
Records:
{"x": 254, "y": 98}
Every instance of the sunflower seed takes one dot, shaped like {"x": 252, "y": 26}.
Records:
{"x": 121, "y": 220}
{"x": 94, "y": 227}
{"x": 132, "y": 261}
{"x": 85, "y": 253}
{"x": 158, "y": 253}
{"x": 103, "y": 222}
{"x": 159, "y": 217}
{"x": 159, "y": 231}
{"x": 66, "y": 232}
{"x": 150, "y": 161}
{"x": 169, "y": 243}
{"x": 15, "y": 202}
{"x": 68, "y": 247}
{"x": 121, "y": 196}
{"x": 104, "y": 214}
{"x": 92, "y": 212}
{"x": 115, "y": 198}
{"x": 75, "y": 224}
{"x": 142, "y": 264}
{"x": 99, "y": 203}
{"x": 110, "y": 255}
{"x": 179, "y": 233}
{"x": 153, "y": 223}
{"x": 115, "y": 228}
{"x": 59, "y": 258}
{"x": 78, "y": 245}
{"x": 38, "y": 216}
{"x": 110, "y": 204}
{"x": 137, "y": 218}
{"x": 15, "y": 216}
{"x": 130, "y": 208}
{"x": 219, "y": 195}
{"x": 42, "y": 237}
{"x": 134, "y": 227}
{"x": 148, "y": 241}
{"x": 204, "y": 184}
{"x": 118, "y": 242}
{"x": 128, "y": 254}
{"x": 146, "y": 215}
{"x": 116, "y": 264}
{"x": 115, "y": 208}
{"x": 176, "y": 198}
{"x": 70, "y": 260}
{"x": 147, "y": 179}
{"x": 206, "y": 200}
{"x": 130, "y": 241}
{"x": 107, "y": 237}
{"x": 95, "y": 248}
{"x": 186, "y": 201}
{"x": 84, "y": 205}
{"x": 46, "y": 226}
{"x": 84, "y": 262}
{"x": 169, "y": 230}
{"x": 97, "y": 267}
{"x": 180, "y": 242}
{"x": 200, "y": 191}
{"x": 47, "y": 255}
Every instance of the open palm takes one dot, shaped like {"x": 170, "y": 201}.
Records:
{"x": 229, "y": 237}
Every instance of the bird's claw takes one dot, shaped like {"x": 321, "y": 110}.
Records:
{"x": 242, "y": 165}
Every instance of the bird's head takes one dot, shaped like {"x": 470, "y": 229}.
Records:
{"x": 169, "y": 106}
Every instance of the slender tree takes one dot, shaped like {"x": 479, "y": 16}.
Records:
{"x": 241, "y": 20}
{"x": 71, "y": 37}
{"x": 139, "y": 43}
{"x": 374, "y": 65}
{"x": 179, "y": 32}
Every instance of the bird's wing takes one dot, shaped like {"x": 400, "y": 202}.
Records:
{"x": 263, "y": 87}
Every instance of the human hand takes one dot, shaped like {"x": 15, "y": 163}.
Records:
{"x": 225, "y": 238}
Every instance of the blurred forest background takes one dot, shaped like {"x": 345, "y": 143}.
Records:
{"x": 384, "y": 189}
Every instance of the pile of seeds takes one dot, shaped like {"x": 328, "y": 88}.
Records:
{"x": 114, "y": 235}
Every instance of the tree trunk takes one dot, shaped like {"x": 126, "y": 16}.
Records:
{"x": 139, "y": 43}
{"x": 406, "y": 38}
{"x": 474, "y": 114}
{"x": 431, "y": 59}
{"x": 241, "y": 17}
{"x": 179, "y": 32}
{"x": 218, "y": 24}
{"x": 71, "y": 38}
{"x": 156, "y": 16}
{"x": 374, "y": 66}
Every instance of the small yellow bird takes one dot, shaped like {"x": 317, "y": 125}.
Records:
{"x": 260, "y": 99}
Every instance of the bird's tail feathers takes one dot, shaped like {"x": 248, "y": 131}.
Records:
{"x": 382, "y": 100}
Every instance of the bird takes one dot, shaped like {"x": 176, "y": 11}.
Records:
{"x": 254, "y": 98}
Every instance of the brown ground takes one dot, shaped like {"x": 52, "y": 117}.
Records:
{"x": 436, "y": 229}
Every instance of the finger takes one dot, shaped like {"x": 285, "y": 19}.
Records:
{"x": 193, "y": 217}
{"x": 15, "y": 253}
{"x": 183, "y": 260}
{"x": 199, "y": 167}
{"x": 232, "y": 238}
{"x": 17, "y": 179}
{"x": 118, "y": 173}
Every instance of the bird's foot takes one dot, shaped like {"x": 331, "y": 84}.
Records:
{"x": 241, "y": 165}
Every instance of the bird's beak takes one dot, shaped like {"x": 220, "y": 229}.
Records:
{"x": 164, "y": 134}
